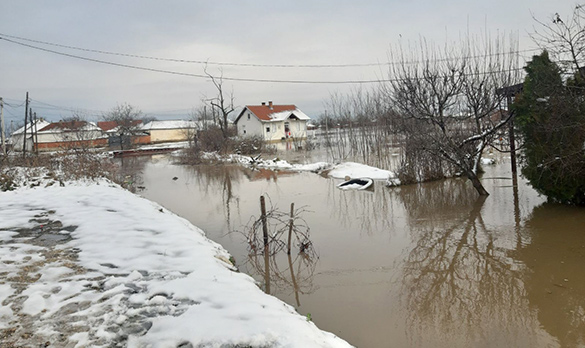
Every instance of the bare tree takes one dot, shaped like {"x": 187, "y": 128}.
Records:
{"x": 127, "y": 121}
{"x": 446, "y": 98}
{"x": 77, "y": 134}
{"x": 222, "y": 105}
{"x": 564, "y": 39}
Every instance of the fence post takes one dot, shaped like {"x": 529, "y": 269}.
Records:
{"x": 263, "y": 217}
{"x": 290, "y": 226}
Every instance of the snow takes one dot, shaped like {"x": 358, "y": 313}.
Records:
{"x": 38, "y": 124}
{"x": 338, "y": 171}
{"x": 131, "y": 274}
{"x": 488, "y": 161}
{"x": 357, "y": 170}
{"x": 284, "y": 115}
{"x": 172, "y": 124}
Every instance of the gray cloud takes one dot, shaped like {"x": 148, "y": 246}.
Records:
{"x": 263, "y": 32}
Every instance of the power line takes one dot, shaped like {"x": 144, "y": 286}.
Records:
{"x": 13, "y": 106}
{"x": 62, "y": 107}
{"x": 135, "y": 67}
{"x": 350, "y": 65}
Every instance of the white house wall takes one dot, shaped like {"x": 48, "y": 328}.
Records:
{"x": 249, "y": 125}
{"x": 276, "y": 131}
{"x": 297, "y": 128}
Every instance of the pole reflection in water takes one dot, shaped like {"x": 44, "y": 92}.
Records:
{"x": 282, "y": 273}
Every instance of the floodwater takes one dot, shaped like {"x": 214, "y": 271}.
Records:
{"x": 429, "y": 265}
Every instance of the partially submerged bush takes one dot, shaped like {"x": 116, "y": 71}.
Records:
{"x": 212, "y": 140}
{"x": 251, "y": 145}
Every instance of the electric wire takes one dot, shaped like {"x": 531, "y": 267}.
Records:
{"x": 349, "y": 65}
{"x": 178, "y": 73}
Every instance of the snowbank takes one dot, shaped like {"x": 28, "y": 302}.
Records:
{"x": 338, "y": 171}
{"x": 357, "y": 170}
{"x": 94, "y": 265}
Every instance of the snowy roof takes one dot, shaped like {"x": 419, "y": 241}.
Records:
{"x": 273, "y": 113}
{"x": 40, "y": 124}
{"x": 285, "y": 115}
{"x": 171, "y": 124}
{"x": 58, "y": 127}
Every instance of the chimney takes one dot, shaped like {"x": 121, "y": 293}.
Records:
{"x": 270, "y": 104}
{"x": 263, "y": 103}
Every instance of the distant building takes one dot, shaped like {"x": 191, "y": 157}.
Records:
{"x": 69, "y": 134}
{"x": 171, "y": 130}
{"x": 46, "y": 136}
{"x": 17, "y": 138}
{"x": 272, "y": 122}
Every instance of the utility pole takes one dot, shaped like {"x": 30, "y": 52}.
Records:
{"x": 511, "y": 92}
{"x": 2, "y": 136}
{"x": 36, "y": 146}
{"x": 32, "y": 129}
{"x": 24, "y": 135}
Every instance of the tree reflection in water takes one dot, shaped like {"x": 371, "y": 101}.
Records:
{"x": 556, "y": 283}
{"x": 211, "y": 177}
{"x": 459, "y": 283}
{"x": 130, "y": 170}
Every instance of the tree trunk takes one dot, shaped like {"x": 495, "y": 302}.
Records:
{"x": 477, "y": 184}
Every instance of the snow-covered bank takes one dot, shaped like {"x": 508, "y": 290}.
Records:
{"x": 94, "y": 265}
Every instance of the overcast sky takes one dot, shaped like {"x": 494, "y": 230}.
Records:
{"x": 244, "y": 32}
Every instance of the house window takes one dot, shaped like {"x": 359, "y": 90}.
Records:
{"x": 248, "y": 116}
{"x": 267, "y": 129}
{"x": 244, "y": 131}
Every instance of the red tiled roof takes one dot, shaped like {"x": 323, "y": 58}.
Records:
{"x": 263, "y": 112}
{"x": 108, "y": 125}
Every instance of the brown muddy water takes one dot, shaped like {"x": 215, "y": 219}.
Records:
{"x": 428, "y": 265}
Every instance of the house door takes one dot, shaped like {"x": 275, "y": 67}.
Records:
{"x": 286, "y": 129}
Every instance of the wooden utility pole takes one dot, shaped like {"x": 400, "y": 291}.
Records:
{"x": 512, "y": 138}
{"x": 509, "y": 92}
{"x": 2, "y": 136}
{"x": 25, "y": 124}
{"x": 36, "y": 141}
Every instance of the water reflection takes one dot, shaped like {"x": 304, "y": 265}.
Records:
{"x": 130, "y": 170}
{"x": 368, "y": 212}
{"x": 283, "y": 274}
{"x": 421, "y": 265}
{"x": 459, "y": 283}
{"x": 556, "y": 281}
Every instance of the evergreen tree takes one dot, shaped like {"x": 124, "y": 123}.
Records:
{"x": 551, "y": 119}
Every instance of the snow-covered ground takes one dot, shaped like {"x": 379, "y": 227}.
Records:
{"x": 92, "y": 265}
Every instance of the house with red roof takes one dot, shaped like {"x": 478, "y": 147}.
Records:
{"x": 272, "y": 122}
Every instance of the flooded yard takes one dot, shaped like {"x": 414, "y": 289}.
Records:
{"x": 428, "y": 265}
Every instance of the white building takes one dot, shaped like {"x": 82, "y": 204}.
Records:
{"x": 17, "y": 137}
{"x": 272, "y": 122}
{"x": 171, "y": 130}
